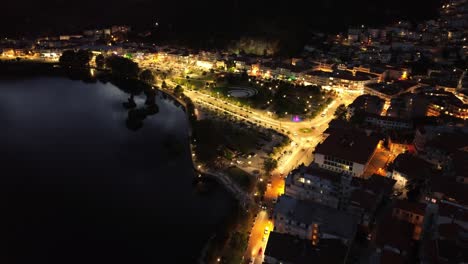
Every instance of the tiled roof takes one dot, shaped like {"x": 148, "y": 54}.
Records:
{"x": 289, "y": 249}
{"x": 349, "y": 145}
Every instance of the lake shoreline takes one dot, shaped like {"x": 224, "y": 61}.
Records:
{"x": 38, "y": 70}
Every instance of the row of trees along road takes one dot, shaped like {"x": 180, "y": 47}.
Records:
{"x": 119, "y": 66}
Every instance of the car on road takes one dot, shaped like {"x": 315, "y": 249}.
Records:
{"x": 322, "y": 115}
{"x": 266, "y": 230}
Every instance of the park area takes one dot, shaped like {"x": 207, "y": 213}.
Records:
{"x": 276, "y": 96}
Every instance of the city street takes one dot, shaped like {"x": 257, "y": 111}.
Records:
{"x": 259, "y": 237}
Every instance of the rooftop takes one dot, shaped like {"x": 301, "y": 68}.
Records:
{"x": 355, "y": 146}
{"x": 449, "y": 142}
{"x": 394, "y": 233}
{"x": 460, "y": 164}
{"x": 364, "y": 199}
{"x": 290, "y": 249}
{"x": 322, "y": 174}
{"x": 451, "y": 251}
{"x": 393, "y": 88}
{"x": 441, "y": 97}
{"x": 378, "y": 184}
{"x": 451, "y": 231}
{"x": 390, "y": 257}
{"x": 452, "y": 211}
{"x": 368, "y": 103}
{"x": 389, "y": 118}
{"x": 417, "y": 208}
{"x": 412, "y": 166}
{"x": 332, "y": 221}
{"x": 346, "y": 75}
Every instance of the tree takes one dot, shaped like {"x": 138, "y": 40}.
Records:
{"x": 340, "y": 112}
{"x": 67, "y": 58}
{"x": 123, "y": 67}
{"x": 72, "y": 59}
{"x": 100, "y": 61}
{"x": 83, "y": 57}
{"x": 270, "y": 164}
{"x": 178, "y": 90}
{"x": 261, "y": 187}
{"x": 164, "y": 85}
{"x": 147, "y": 76}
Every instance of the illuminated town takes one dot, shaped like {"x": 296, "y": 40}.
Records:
{"x": 352, "y": 151}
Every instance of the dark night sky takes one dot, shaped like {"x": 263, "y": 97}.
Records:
{"x": 220, "y": 16}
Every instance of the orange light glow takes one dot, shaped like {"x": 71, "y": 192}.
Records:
{"x": 404, "y": 76}
{"x": 255, "y": 70}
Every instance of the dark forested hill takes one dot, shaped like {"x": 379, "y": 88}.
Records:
{"x": 208, "y": 18}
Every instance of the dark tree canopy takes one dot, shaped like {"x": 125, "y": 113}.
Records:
{"x": 178, "y": 90}
{"x": 72, "y": 59}
{"x": 270, "y": 164}
{"x": 123, "y": 67}
{"x": 340, "y": 112}
{"x": 100, "y": 61}
{"x": 147, "y": 76}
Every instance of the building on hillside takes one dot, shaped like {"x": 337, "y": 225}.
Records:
{"x": 363, "y": 204}
{"x": 313, "y": 221}
{"x": 388, "y": 123}
{"x": 365, "y": 104}
{"x": 394, "y": 236}
{"x": 413, "y": 213}
{"x": 318, "y": 185}
{"x": 449, "y": 212}
{"x": 285, "y": 248}
{"x": 408, "y": 168}
{"x": 400, "y": 142}
{"x": 447, "y": 188}
{"x": 388, "y": 91}
{"x": 347, "y": 152}
{"x": 340, "y": 80}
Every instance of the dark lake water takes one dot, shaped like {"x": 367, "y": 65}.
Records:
{"x": 77, "y": 186}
